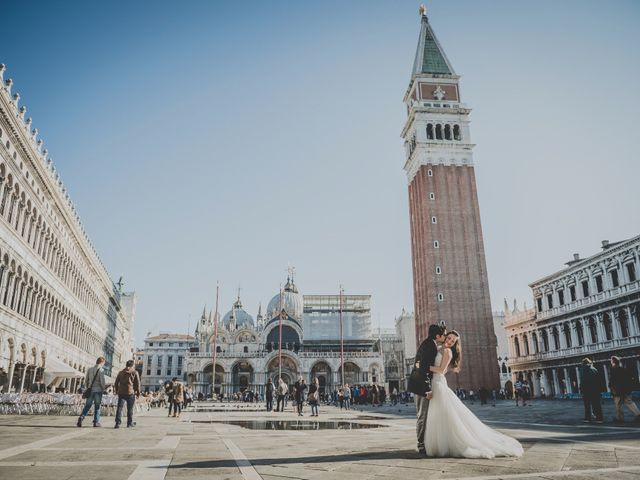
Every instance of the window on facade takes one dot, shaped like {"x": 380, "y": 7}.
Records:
{"x": 624, "y": 325}
{"x": 447, "y": 132}
{"x": 550, "y": 300}
{"x": 579, "y": 333}
{"x": 456, "y": 132}
{"x": 585, "y": 288}
{"x": 429, "y": 173}
{"x": 438, "y": 270}
{"x": 434, "y": 220}
{"x": 148, "y": 373}
{"x": 246, "y": 349}
{"x": 436, "y": 244}
{"x": 534, "y": 338}
{"x": 599, "y": 283}
{"x": 545, "y": 341}
{"x": 429, "y": 131}
{"x": 432, "y": 196}
{"x": 180, "y": 361}
{"x": 438, "y": 132}
{"x": 631, "y": 272}
{"x": 539, "y": 303}
{"x": 567, "y": 335}
{"x": 440, "y": 297}
{"x": 572, "y": 293}
{"x": 593, "y": 330}
{"x": 158, "y": 372}
{"x": 179, "y": 372}
{"x": 151, "y": 344}
{"x": 608, "y": 327}
{"x": 504, "y": 368}
{"x": 516, "y": 344}
{"x": 560, "y": 297}
{"x": 556, "y": 338}
{"x": 218, "y": 349}
{"x": 614, "y": 278}
{"x": 159, "y": 360}
{"x": 525, "y": 342}
{"x": 149, "y": 359}
{"x": 169, "y": 360}
{"x": 168, "y": 371}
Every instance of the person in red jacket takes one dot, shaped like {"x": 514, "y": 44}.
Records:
{"x": 127, "y": 387}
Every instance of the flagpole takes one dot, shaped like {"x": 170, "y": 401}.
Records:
{"x": 341, "y": 343}
{"x": 215, "y": 339}
{"x": 280, "y": 338}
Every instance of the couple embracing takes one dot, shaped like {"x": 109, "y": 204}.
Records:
{"x": 446, "y": 427}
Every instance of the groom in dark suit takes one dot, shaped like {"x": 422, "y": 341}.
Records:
{"x": 425, "y": 357}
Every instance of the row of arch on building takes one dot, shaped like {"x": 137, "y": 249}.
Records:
{"x": 446, "y": 131}
{"x": 619, "y": 323}
{"x": 243, "y": 375}
{"x": 17, "y": 208}
{"x": 23, "y": 365}
{"x": 28, "y": 297}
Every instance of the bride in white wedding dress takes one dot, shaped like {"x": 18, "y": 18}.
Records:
{"x": 452, "y": 429}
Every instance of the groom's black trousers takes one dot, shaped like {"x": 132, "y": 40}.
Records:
{"x": 422, "y": 407}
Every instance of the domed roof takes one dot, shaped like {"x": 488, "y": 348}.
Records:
{"x": 292, "y": 302}
{"x": 242, "y": 318}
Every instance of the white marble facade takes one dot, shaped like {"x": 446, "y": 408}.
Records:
{"x": 59, "y": 309}
{"x": 247, "y": 351}
{"x": 589, "y": 309}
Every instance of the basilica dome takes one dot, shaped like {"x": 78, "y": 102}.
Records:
{"x": 242, "y": 318}
{"x": 292, "y": 302}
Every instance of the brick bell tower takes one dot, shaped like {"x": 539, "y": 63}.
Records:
{"x": 449, "y": 270}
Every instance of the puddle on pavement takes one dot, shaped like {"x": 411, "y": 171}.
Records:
{"x": 293, "y": 424}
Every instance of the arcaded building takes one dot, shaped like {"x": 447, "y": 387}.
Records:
{"x": 59, "y": 308}
{"x": 449, "y": 269}
{"x": 590, "y": 308}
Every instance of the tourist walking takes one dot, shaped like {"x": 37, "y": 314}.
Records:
{"x": 590, "y": 387}
{"x": 283, "y": 389}
{"x": 127, "y": 387}
{"x": 313, "y": 397}
{"x": 299, "y": 392}
{"x": 95, "y": 385}
{"x": 178, "y": 396}
{"x": 269, "y": 394}
{"x": 346, "y": 393}
{"x": 168, "y": 390}
{"x": 621, "y": 385}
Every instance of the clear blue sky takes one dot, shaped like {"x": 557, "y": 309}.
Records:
{"x": 206, "y": 141}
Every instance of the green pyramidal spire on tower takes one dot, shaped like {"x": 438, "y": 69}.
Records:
{"x": 430, "y": 57}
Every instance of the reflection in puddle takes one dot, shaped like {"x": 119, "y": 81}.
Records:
{"x": 294, "y": 424}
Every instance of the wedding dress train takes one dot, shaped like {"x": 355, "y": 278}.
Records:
{"x": 454, "y": 431}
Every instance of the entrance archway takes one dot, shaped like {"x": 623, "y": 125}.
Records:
{"x": 351, "y": 373}
{"x": 211, "y": 386}
{"x": 323, "y": 372}
{"x": 289, "y": 370}
{"x": 242, "y": 376}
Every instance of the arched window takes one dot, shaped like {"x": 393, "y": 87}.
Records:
{"x": 525, "y": 341}
{"x": 516, "y": 344}
{"x": 593, "y": 330}
{"x": 567, "y": 334}
{"x": 624, "y": 324}
{"x": 545, "y": 340}
{"x": 438, "y": 132}
{"x": 556, "y": 338}
{"x": 447, "y": 132}
{"x": 504, "y": 368}
{"x": 429, "y": 131}
{"x": 534, "y": 338}
{"x": 579, "y": 332}
{"x": 608, "y": 327}
{"x": 456, "y": 132}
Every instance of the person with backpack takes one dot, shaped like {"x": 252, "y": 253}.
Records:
{"x": 313, "y": 396}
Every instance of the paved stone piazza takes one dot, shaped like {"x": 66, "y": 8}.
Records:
{"x": 201, "y": 445}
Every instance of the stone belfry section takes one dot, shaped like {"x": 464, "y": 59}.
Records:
{"x": 449, "y": 268}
